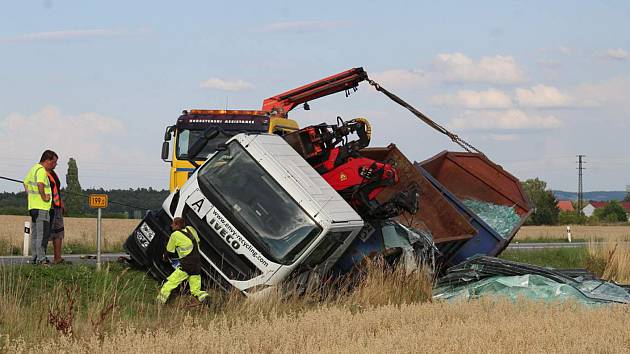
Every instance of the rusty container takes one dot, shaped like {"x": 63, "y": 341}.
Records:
{"x": 461, "y": 176}
{"x": 436, "y": 214}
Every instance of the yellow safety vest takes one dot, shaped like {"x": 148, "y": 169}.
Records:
{"x": 181, "y": 243}
{"x": 37, "y": 174}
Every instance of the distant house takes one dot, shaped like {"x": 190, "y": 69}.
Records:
{"x": 589, "y": 209}
{"x": 565, "y": 205}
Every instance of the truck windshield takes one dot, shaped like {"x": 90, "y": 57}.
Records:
{"x": 186, "y": 137}
{"x": 271, "y": 219}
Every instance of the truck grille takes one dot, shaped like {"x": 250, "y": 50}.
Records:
{"x": 234, "y": 266}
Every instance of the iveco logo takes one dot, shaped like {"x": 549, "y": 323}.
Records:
{"x": 223, "y": 232}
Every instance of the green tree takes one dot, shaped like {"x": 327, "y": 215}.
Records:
{"x": 613, "y": 212}
{"x": 571, "y": 218}
{"x": 545, "y": 204}
{"x": 627, "y": 198}
{"x": 73, "y": 199}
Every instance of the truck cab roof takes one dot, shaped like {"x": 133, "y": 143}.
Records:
{"x": 280, "y": 160}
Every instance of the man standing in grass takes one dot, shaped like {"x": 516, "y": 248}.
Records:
{"x": 56, "y": 217}
{"x": 37, "y": 187}
{"x": 185, "y": 241}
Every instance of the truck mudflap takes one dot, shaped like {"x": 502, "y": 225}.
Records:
{"x": 147, "y": 243}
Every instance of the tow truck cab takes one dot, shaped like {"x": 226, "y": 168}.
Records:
{"x": 262, "y": 213}
{"x": 190, "y": 126}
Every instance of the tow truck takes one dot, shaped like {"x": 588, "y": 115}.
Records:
{"x": 272, "y": 118}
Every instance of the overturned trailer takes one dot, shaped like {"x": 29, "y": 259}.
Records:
{"x": 462, "y": 177}
{"x": 448, "y": 182}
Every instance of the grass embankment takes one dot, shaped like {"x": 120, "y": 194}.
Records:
{"x": 80, "y": 234}
{"x": 550, "y": 257}
{"x": 76, "y": 309}
{"x": 77, "y": 302}
{"x": 608, "y": 260}
{"x": 113, "y": 311}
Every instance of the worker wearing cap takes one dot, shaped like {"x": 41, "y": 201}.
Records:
{"x": 37, "y": 187}
{"x": 184, "y": 245}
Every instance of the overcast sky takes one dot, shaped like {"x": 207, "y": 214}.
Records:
{"x": 531, "y": 84}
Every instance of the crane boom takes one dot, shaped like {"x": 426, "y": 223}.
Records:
{"x": 281, "y": 104}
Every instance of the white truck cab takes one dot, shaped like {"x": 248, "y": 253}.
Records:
{"x": 262, "y": 214}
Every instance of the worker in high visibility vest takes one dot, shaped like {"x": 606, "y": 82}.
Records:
{"x": 39, "y": 193}
{"x": 57, "y": 209}
{"x": 184, "y": 245}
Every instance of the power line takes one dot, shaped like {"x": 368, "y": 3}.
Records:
{"x": 82, "y": 195}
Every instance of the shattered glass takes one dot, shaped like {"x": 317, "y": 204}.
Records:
{"x": 501, "y": 218}
{"x": 482, "y": 276}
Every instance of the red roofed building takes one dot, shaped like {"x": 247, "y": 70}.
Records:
{"x": 565, "y": 205}
{"x": 589, "y": 209}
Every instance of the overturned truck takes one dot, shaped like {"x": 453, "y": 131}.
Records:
{"x": 271, "y": 208}
{"x": 262, "y": 214}
{"x": 265, "y": 215}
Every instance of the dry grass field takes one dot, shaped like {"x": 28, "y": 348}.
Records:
{"x": 578, "y": 232}
{"x": 113, "y": 311}
{"x": 483, "y": 326}
{"x": 611, "y": 260}
{"x": 116, "y": 315}
{"x": 79, "y": 232}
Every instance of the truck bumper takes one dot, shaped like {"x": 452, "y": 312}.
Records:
{"x": 147, "y": 243}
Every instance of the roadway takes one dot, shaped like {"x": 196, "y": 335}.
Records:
{"x": 74, "y": 258}
{"x": 545, "y": 245}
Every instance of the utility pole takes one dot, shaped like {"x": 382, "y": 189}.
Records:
{"x": 580, "y": 201}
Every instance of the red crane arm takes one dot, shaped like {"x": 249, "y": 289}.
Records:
{"x": 281, "y": 104}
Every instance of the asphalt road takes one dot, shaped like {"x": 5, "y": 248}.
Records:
{"x": 74, "y": 258}
{"x": 537, "y": 246}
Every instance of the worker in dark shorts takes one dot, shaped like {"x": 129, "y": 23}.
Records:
{"x": 57, "y": 210}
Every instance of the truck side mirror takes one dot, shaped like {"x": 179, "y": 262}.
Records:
{"x": 168, "y": 133}
{"x": 197, "y": 146}
{"x": 165, "y": 148}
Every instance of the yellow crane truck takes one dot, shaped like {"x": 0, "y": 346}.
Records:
{"x": 272, "y": 118}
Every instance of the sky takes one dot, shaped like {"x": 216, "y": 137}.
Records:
{"x": 531, "y": 84}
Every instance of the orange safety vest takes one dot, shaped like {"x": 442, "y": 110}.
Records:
{"x": 56, "y": 199}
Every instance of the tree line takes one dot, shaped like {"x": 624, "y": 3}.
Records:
{"x": 123, "y": 203}
{"x": 546, "y": 211}
{"x": 136, "y": 202}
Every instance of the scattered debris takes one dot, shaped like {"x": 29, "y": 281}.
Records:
{"x": 488, "y": 276}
